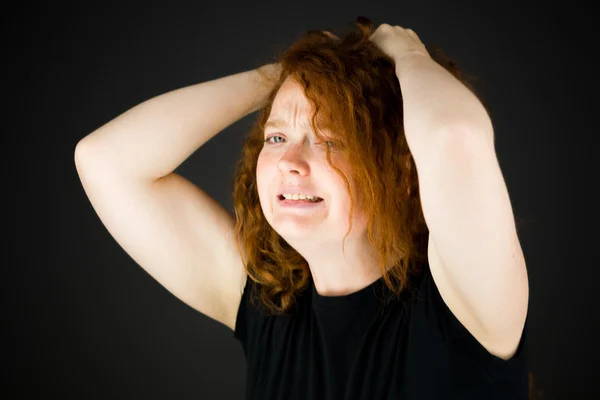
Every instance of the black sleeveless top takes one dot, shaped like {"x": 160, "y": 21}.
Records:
{"x": 371, "y": 345}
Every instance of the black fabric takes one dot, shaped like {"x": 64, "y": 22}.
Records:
{"x": 359, "y": 346}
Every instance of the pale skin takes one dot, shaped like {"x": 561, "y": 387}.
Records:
{"x": 474, "y": 252}
{"x": 294, "y": 156}
{"x": 185, "y": 239}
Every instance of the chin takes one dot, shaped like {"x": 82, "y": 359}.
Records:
{"x": 288, "y": 226}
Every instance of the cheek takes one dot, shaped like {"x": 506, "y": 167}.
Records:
{"x": 343, "y": 194}
{"x": 264, "y": 176}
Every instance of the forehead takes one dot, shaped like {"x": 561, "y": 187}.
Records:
{"x": 290, "y": 99}
{"x": 290, "y": 107}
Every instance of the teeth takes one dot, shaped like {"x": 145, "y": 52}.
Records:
{"x": 289, "y": 196}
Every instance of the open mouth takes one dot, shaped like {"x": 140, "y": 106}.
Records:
{"x": 308, "y": 200}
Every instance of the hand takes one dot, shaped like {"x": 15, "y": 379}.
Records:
{"x": 397, "y": 42}
{"x": 331, "y": 35}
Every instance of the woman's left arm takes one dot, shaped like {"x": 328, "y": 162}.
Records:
{"x": 474, "y": 251}
{"x": 435, "y": 102}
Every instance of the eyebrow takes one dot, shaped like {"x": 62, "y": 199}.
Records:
{"x": 279, "y": 123}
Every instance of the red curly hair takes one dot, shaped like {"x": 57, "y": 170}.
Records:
{"x": 355, "y": 94}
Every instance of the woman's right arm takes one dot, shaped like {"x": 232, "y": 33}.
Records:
{"x": 176, "y": 232}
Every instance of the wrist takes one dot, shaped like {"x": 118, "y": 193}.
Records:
{"x": 406, "y": 59}
{"x": 265, "y": 78}
{"x": 270, "y": 73}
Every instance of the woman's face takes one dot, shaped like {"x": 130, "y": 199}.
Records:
{"x": 293, "y": 161}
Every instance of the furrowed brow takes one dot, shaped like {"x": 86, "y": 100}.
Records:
{"x": 279, "y": 123}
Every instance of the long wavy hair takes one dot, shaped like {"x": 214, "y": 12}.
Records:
{"x": 355, "y": 94}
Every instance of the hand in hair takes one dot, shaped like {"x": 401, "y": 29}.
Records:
{"x": 398, "y": 42}
{"x": 331, "y": 35}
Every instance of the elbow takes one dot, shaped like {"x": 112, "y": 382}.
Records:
{"x": 84, "y": 155}
{"x": 81, "y": 153}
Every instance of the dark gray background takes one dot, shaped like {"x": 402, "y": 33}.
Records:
{"x": 83, "y": 321}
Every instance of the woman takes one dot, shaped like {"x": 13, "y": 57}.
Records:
{"x": 374, "y": 253}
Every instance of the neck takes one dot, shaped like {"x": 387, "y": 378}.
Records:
{"x": 336, "y": 273}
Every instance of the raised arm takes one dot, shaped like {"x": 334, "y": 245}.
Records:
{"x": 170, "y": 227}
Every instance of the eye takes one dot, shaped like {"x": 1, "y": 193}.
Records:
{"x": 329, "y": 144}
{"x": 271, "y": 137}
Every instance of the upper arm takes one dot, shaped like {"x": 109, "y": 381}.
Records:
{"x": 474, "y": 252}
{"x": 176, "y": 232}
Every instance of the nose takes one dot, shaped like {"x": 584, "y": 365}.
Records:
{"x": 294, "y": 161}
